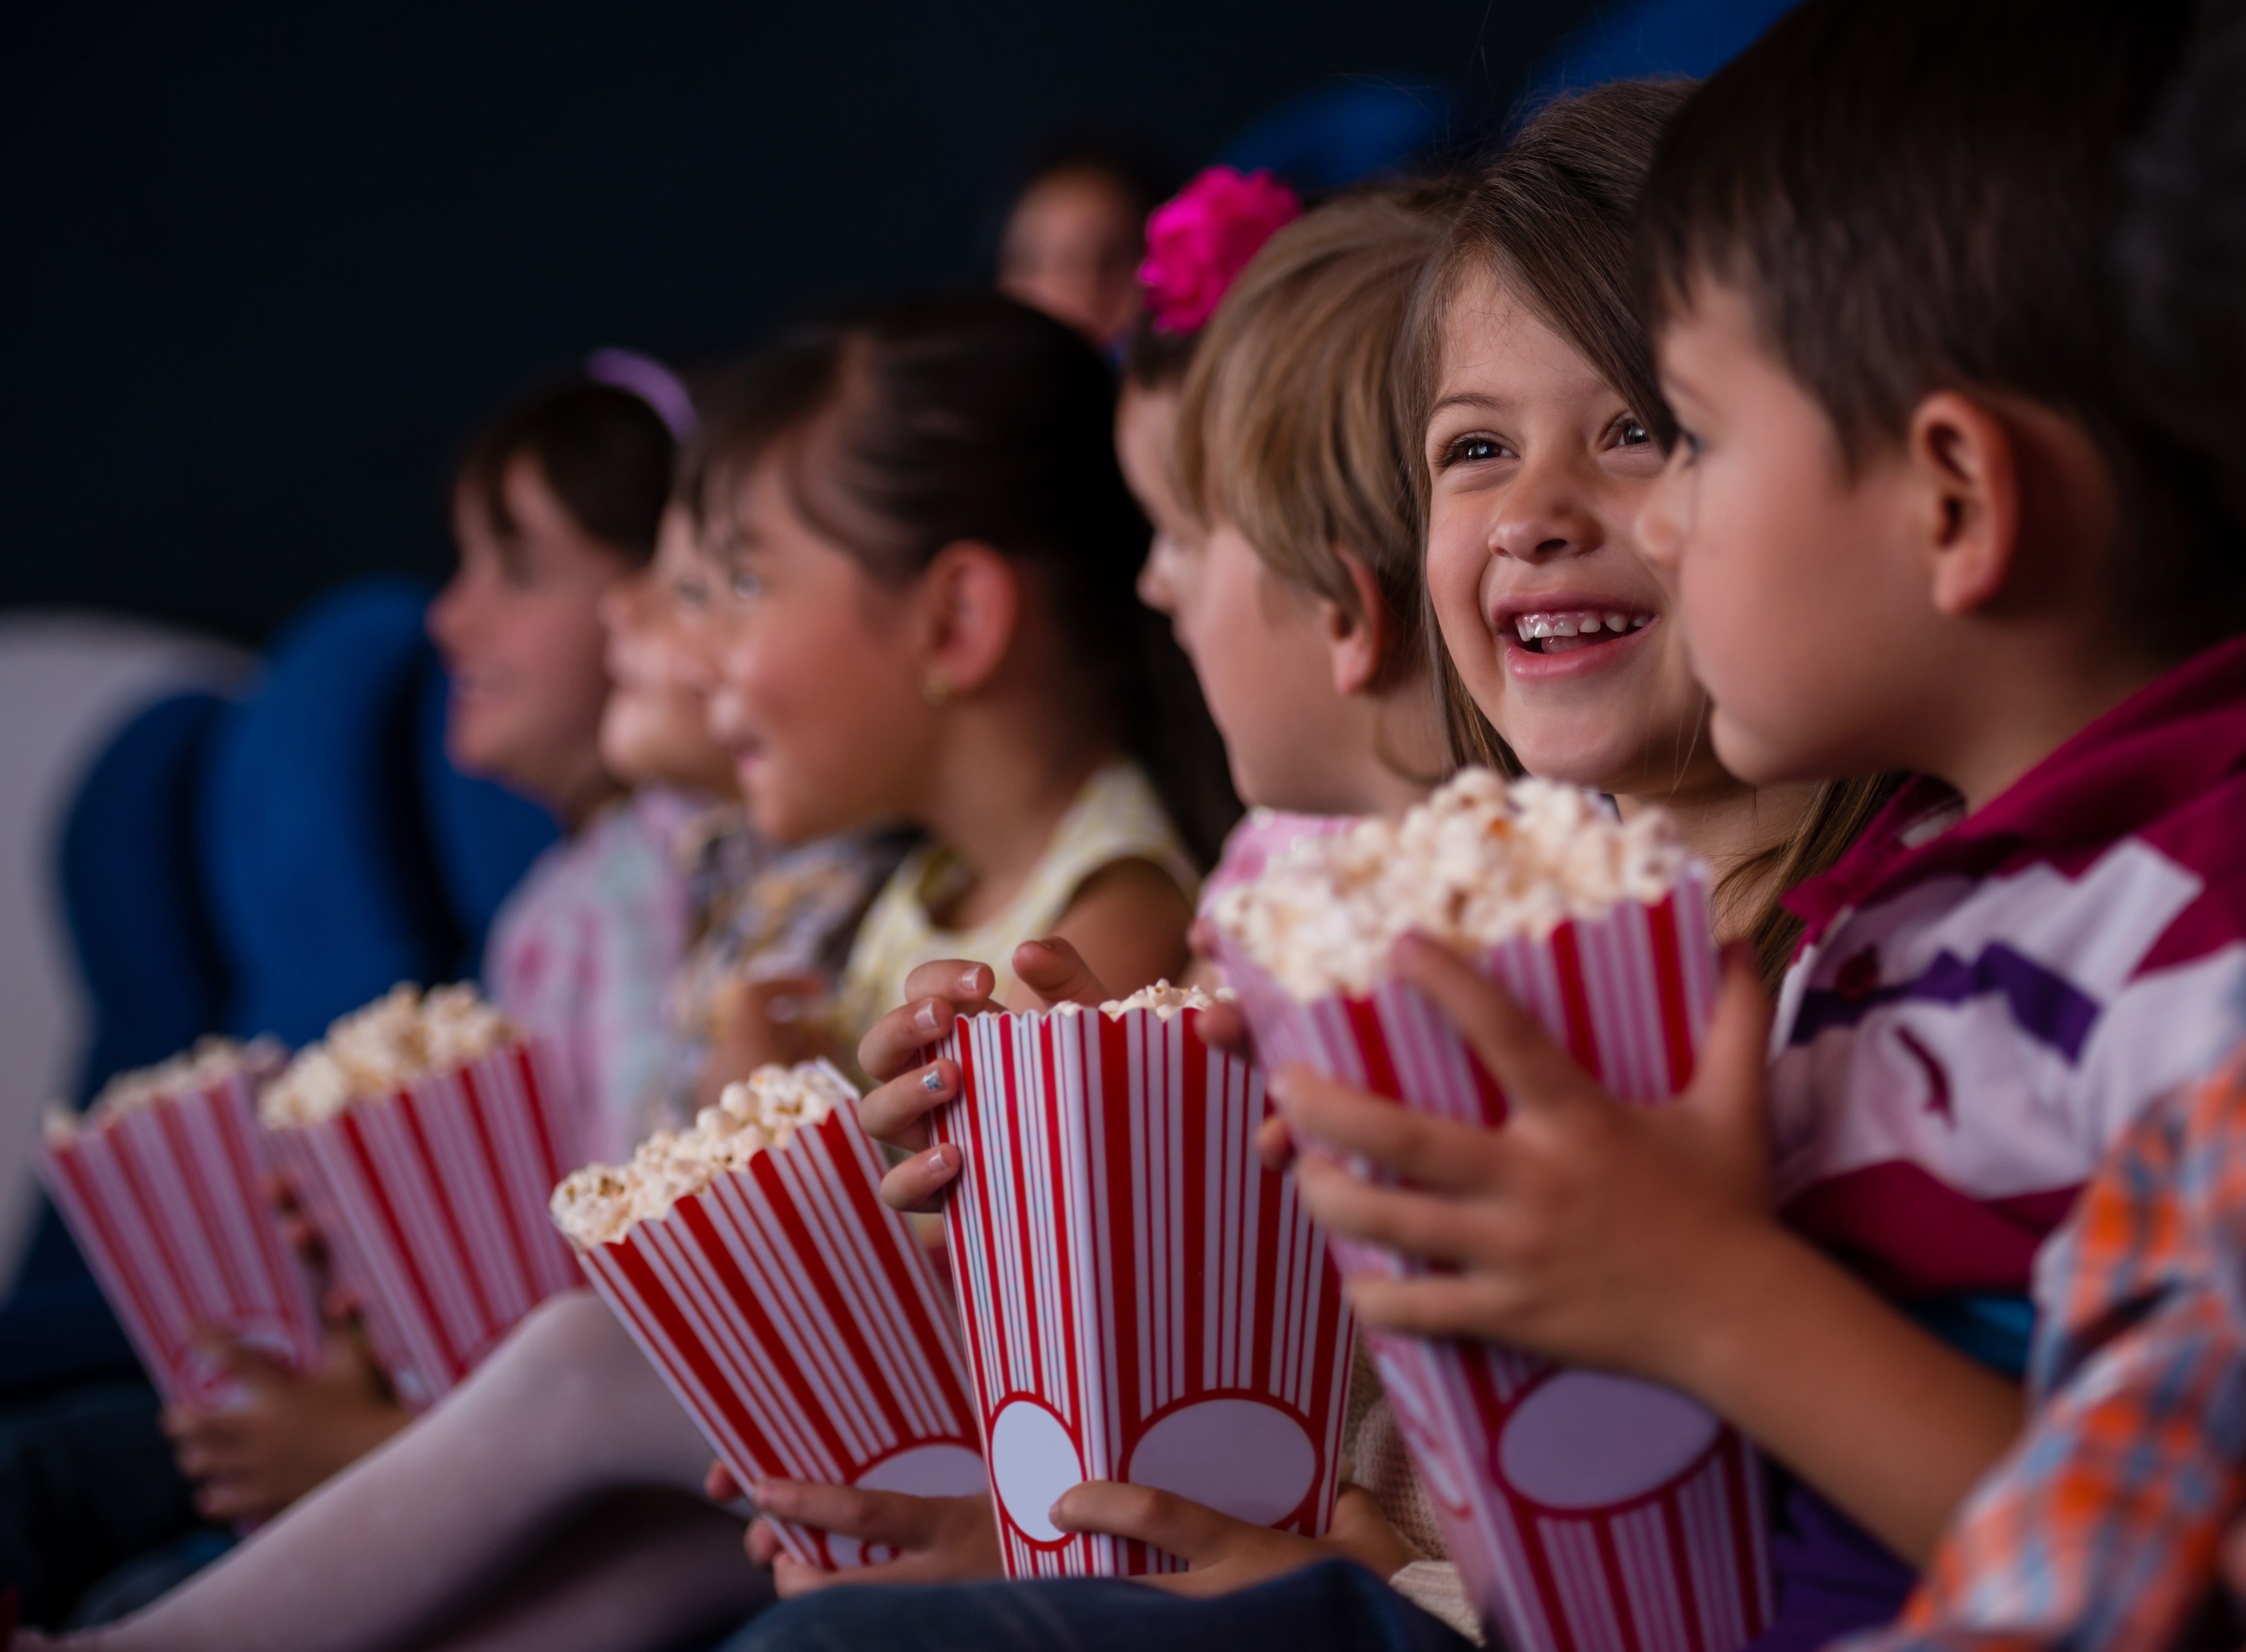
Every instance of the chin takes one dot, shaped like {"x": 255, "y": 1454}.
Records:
{"x": 1748, "y": 757}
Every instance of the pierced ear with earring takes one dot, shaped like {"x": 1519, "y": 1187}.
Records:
{"x": 936, "y": 688}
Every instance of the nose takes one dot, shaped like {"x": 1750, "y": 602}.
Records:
{"x": 1547, "y": 514}
{"x": 451, "y": 616}
{"x": 1157, "y": 588}
{"x": 1664, "y": 521}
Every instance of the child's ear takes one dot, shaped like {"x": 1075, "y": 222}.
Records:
{"x": 1359, "y": 641}
{"x": 1965, "y": 458}
{"x": 970, "y": 602}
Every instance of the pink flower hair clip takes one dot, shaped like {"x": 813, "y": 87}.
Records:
{"x": 1198, "y": 242}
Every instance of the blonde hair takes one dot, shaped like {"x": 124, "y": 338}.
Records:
{"x": 1288, "y": 425}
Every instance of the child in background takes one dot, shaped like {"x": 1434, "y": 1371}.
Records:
{"x": 928, "y": 546}
{"x": 2102, "y": 1526}
{"x": 1910, "y": 527}
{"x": 1307, "y": 638}
{"x": 549, "y": 1501}
{"x": 556, "y": 506}
{"x": 1073, "y": 238}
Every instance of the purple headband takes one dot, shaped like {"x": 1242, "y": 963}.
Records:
{"x": 650, "y": 381}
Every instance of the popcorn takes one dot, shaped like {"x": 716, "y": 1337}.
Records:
{"x": 599, "y": 1204}
{"x": 390, "y": 1045}
{"x": 212, "y": 1061}
{"x": 1163, "y": 999}
{"x": 1481, "y": 862}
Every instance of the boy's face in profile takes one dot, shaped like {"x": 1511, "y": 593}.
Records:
{"x": 1805, "y": 612}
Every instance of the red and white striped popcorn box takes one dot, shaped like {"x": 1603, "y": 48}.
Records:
{"x": 1144, "y": 1300}
{"x": 165, "y": 1203}
{"x": 1587, "y": 1513}
{"x": 804, "y": 1329}
{"x": 433, "y": 1204}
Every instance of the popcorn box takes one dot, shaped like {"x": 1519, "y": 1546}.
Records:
{"x": 803, "y": 1328}
{"x": 165, "y": 1204}
{"x": 433, "y": 1203}
{"x": 1587, "y": 1513}
{"x": 1144, "y": 1300}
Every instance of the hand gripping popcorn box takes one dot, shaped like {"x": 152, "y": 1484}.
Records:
{"x": 793, "y": 1313}
{"x": 423, "y": 1136}
{"x": 1144, "y": 1300}
{"x": 159, "y": 1183}
{"x": 1587, "y": 1513}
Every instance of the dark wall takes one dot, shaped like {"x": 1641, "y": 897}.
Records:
{"x": 264, "y": 263}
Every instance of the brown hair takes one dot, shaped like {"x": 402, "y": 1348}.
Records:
{"x": 1550, "y": 219}
{"x": 917, "y": 424}
{"x": 1288, "y": 428}
{"x": 605, "y": 453}
{"x": 1916, "y": 195}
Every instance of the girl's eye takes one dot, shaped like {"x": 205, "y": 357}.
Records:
{"x": 689, "y": 594}
{"x": 1633, "y": 433}
{"x": 1474, "y": 450}
{"x": 744, "y": 585}
{"x": 1689, "y": 442}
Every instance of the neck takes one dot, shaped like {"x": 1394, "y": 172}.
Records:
{"x": 577, "y": 797}
{"x": 2034, "y": 711}
{"x": 1006, "y": 773}
{"x": 1725, "y": 823}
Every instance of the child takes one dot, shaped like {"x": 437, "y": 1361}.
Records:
{"x": 928, "y": 546}
{"x": 556, "y": 506}
{"x": 1908, "y": 528}
{"x": 1307, "y": 639}
{"x": 1071, "y": 239}
{"x": 565, "y": 1438}
{"x": 2101, "y": 1527}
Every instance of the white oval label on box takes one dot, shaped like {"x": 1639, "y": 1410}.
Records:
{"x": 1589, "y": 1440}
{"x": 1032, "y": 1462}
{"x": 1250, "y": 1460}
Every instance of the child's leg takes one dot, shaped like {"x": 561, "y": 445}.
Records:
{"x": 642, "y": 1568}
{"x": 1325, "y": 1609}
{"x": 421, "y": 1531}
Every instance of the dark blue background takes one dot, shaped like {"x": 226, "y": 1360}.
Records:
{"x": 264, "y": 263}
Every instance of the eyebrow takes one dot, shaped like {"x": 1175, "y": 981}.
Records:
{"x": 1468, "y": 398}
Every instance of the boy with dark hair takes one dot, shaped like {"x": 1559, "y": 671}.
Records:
{"x": 1913, "y": 524}
{"x": 2102, "y": 1526}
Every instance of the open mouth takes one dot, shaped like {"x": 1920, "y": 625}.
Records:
{"x": 1567, "y": 631}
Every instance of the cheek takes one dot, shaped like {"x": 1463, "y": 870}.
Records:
{"x": 1456, "y": 567}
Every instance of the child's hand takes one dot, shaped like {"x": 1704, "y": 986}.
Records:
{"x": 939, "y": 1540}
{"x": 755, "y": 1024}
{"x": 1222, "y": 1553}
{"x": 1584, "y": 1228}
{"x": 910, "y": 1089}
{"x": 287, "y": 1432}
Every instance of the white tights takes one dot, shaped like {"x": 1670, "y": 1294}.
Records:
{"x": 552, "y": 1502}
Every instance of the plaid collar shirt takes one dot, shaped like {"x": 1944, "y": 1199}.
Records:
{"x": 2101, "y": 1528}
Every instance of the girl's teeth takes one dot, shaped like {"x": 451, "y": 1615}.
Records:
{"x": 1532, "y": 628}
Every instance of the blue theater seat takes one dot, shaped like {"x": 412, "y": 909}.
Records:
{"x": 321, "y": 882}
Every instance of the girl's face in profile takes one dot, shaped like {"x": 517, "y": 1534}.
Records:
{"x": 661, "y": 660}
{"x": 1553, "y": 620}
{"x": 519, "y": 628}
{"x": 819, "y": 701}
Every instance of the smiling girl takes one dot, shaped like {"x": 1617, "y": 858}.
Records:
{"x": 1541, "y": 434}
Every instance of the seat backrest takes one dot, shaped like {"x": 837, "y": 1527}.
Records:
{"x": 132, "y": 894}
{"x": 322, "y": 886}
{"x": 1655, "y": 38}
{"x": 1333, "y": 136}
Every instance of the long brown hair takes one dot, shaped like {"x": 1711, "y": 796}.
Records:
{"x": 1551, "y": 218}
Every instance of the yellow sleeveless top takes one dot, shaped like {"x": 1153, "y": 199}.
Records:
{"x": 1116, "y": 817}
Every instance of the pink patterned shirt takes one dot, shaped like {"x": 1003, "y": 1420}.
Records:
{"x": 583, "y": 952}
